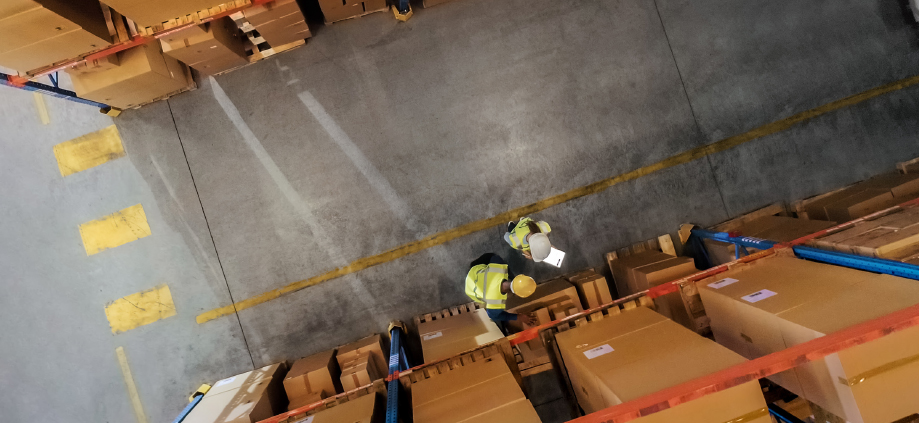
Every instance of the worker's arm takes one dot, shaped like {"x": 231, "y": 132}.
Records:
{"x": 500, "y": 315}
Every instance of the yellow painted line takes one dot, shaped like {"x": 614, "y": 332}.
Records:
{"x": 594, "y": 188}
{"x": 42, "y": 108}
{"x": 140, "y": 309}
{"x": 131, "y": 387}
{"x": 89, "y": 151}
{"x": 115, "y": 229}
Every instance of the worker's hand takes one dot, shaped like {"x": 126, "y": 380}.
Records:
{"x": 528, "y": 255}
{"x": 526, "y": 320}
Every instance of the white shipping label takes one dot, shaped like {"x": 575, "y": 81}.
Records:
{"x": 596, "y": 352}
{"x": 722, "y": 283}
{"x": 306, "y": 420}
{"x": 225, "y": 381}
{"x": 430, "y": 336}
{"x": 758, "y": 296}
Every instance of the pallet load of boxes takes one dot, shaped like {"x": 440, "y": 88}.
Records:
{"x": 43, "y": 33}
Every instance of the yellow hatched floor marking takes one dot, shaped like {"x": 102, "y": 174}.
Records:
{"x": 130, "y": 386}
{"x": 594, "y": 188}
{"x": 88, "y": 151}
{"x": 140, "y": 309}
{"x": 115, "y": 229}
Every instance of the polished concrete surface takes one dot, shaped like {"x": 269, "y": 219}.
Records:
{"x": 378, "y": 133}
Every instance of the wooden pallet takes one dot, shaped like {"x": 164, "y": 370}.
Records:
{"x": 775, "y": 209}
{"x": 798, "y": 207}
{"x": 195, "y": 17}
{"x": 377, "y": 387}
{"x": 358, "y": 16}
{"x": 500, "y": 348}
{"x": 190, "y": 87}
{"x": 909, "y": 167}
{"x": 447, "y": 312}
{"x": 257, "y": 48}
{"x": 662, "y": 243}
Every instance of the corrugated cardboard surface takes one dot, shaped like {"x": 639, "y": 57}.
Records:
{"x": 444, "y": 338}
{"x": 265, "y": 13}
{"x": 366, "y": 409}
{"x": 859, "y": 204}
{"x": 519, "y": 411}
{"x": 647, "y": 353}
{"x": 210, "y": 48}
{"x": 360, "y": 371}
{"x": 313, "y": 374}
{"x": 35, "y": 41}
{"x": 371, "y": 344}
{"x": 144, "y": 74}
{"x": 273, "y": 371}
{"x": 150, "y": 13}
{"x": 477, "y": 389}
{"x": 547, "y": 293}
{"x": 246, "y": 404}
{"x": 334, "y": 10}
{"x": 813, "y": 300}
{"x": 623, "y": 265}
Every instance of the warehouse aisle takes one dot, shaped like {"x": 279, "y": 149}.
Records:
{"x": 376, "y": 134}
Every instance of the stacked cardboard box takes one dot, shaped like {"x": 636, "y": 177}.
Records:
{"x": 779, "y": 302}
{"x": 639, "y": 272}
{"x": 639, "y": 352}
{"x": 245, "y": 398}
{"x": 210, "y": 48}
{"x": 554, "y": 299}
{"x": 338, "y": 10}
{"x": 772, "y": 228}
{"x": 362, "y": 362}
{"x": 279, "y": 22}
{"x": 894, "y": 237}
{"x": 593, "y": 288}
{"x": 311, "y": 379}
{"x": 863, "y": 198}
{"x": 36, "y": 33}
{"x": 481, "y": 391}
{"x": 450, "y": 336}
{"x": 366, "y": 409}
{"x": 152, "y": 13}
{"x": 143, "y": 74}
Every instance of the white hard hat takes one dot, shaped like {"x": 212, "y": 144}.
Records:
{"x": 540, "y": 247}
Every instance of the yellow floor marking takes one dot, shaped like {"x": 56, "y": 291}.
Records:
{"x": 594, "y": 188}
{"x": 89, "y": 151}
{"x": 42, "y": 108}
{"x": 131, "y": 387}
{"x": 140, "y": 309}
{"x": 115, "y": 229}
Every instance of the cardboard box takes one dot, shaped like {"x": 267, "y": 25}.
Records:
{"x": 360, "y": 371}
{"x": 246, "y": 404}
{"x": 337, "y": 10}
{"x": 372, "y": 344}
{"x": 860, "y": 204}
{"x": 270, "y": 372}
{"x": 147, "y": 13}
{"x": 282, "y": 35}
{"x": 519, "y": 411}
{"x": 314, "y": 374}
{"x": 264, "y": 13}
{"x": 210, "y": 48}
{"x": 638, "y": 352}
{"x": 447, "y": 337}
{"x": 809, "y": 300}
{"x": 773, "y": 228}
{"x": 902, "y": 187}
{"x": 279, "y": 22}
{"x": 547, "y": 294}
{"x": 305, "y": 400}
{"x": 468, "y": 393}
{"x": 366, "y": 409}
{"x": 42, "y": 32}
{"x": 96, "y": 65}
{"x": 623, "y": 265}
{"x": 592, "y": 288}
{"x": 144, "y": 74}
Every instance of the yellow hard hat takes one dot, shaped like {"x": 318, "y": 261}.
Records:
{"x": 523, "y": 286}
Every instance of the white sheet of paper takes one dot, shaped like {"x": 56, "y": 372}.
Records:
{"x": 556, "y": 257}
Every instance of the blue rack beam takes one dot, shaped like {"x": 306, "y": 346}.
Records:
{"x": 54, "y": 91}
{"x": 187, "y": 410}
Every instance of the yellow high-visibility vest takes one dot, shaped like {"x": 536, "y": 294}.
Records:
{"x": 519, "y": 235}
{"x": 483, "y": 285}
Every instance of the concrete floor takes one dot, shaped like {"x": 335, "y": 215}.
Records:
{"x": 378, "y": 133}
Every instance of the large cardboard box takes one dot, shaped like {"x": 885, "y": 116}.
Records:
{"x": 249, "y": 403}
{"x": 776, "y": 303}
{"x": 337, "y": 10}
{"x": 652, "y": 275}
{"x": 444, "y": 338}
{"x": 316, "y": 374}
{"x": 210, "y": 48}
{"x": 366, "y": 409}
{"x": 144, "y": 74}
{"x": 360, "y": 371}
{"x": 548, "y": 293}
{"x": 895, "y": 237}
{"x": 638, "y": 352}
{"x": 270, "y": 372}
{"x": 476, "y": 391}
{"x": 151, "y": 13}
{"x": 622, "y": 267}
{"x": 279, "y": 22}
{"x": 859, "y": 204}
{"x": 372, "y": 344}
{"x": 902, "y": 187}
{"x": 41, "y": 32}
{"x": 592, "y": 288}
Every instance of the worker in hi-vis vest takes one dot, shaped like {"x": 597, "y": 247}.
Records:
{"x": 489, "y": 281}
{"x": 529, "y": 237}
